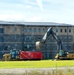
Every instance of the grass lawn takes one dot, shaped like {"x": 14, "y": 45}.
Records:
{"x": 36, "y": 64}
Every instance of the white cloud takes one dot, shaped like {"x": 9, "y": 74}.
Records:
{"x": 66, "y": 3}
{"x": 28, "y": 2}
{"x": 35, "y": 19}
{"x": 57, "y": 1}
{"x": 28, "y": 6}
{"x": 40, "y": 4}
{"x": 30, "y": 10}
{"x": 22, "y": 6}
{"x": 12, "y": 17}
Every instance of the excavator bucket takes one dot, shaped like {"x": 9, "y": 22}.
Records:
{"x": 38, "y": 45}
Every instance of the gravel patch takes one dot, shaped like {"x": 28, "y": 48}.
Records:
{"x": 24, "y": 70}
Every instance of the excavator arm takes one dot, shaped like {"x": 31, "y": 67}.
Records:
{"x": 49, "y": 32}
{"x": 42, "y": 42}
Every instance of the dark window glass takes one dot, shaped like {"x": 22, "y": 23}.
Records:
{"x": 34, "y": 29}
{"x": 14, "y": 29}
{"x": 25, "y": 30}
{"x": 30, "y": 38}
{"x": 43, "y": 30}
{"x": 69, "y": 30}
{"x": 65, "y": 30}
{"x": 56, "y": 29}
{"x": 60, "y": 30}
{"x": 39, "y": 30}
{"x": 1, "y": 30}
{"x": 1, "y": 39}
{"x": 30, "y": 30}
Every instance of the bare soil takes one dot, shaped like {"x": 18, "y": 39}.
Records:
{"x": 24, "y": 70}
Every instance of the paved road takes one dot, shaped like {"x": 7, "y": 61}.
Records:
{"x": 23, "y": 70}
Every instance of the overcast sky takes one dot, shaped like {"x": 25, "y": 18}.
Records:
{"x": 61, "y": 11}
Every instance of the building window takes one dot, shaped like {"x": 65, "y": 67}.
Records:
{"x": 28, "y": 46}
{"x": 39, "y": 30}
{"x": 30, "y": 30}
{"x": 60, "y": 30}
{"x": 69, "y": 37}
{"x": 25, "y": 30}
{"x": 65, "y": 30}
{"x": 34, "y": 29}
{"x": 30, "y": 38}
{"x": 14, "y": 29}
{"x": 43, "y": 30}
{"x": 56, "y": 29}
{"x": 69, "y": 30}
{"x": 1, "y": 39}
{"x": 1, "y": 30}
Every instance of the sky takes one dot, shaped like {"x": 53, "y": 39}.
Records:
{"x": 60, "y": 11}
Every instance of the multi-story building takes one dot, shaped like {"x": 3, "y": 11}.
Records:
{"x": 23, "y": 36}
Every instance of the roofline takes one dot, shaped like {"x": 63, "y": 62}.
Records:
{"x": 34, "y": 23}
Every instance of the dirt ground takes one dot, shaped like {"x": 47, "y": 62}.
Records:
{"x": 24, "y": 70}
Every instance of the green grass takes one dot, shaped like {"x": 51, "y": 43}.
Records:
{"x": 36, "y": 64}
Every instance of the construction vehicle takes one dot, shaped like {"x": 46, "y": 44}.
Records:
{"x": 62, "y": 53}
{"x": 22, "y": 55}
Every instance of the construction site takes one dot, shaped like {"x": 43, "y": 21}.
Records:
{"x": 36, "y": 40}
